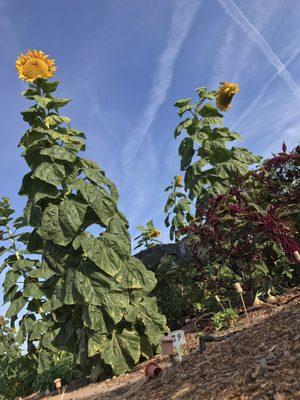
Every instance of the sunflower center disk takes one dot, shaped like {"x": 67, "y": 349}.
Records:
{"x": 34, "y": 68}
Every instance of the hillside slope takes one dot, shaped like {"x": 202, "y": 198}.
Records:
{"x": 262, "y": 362}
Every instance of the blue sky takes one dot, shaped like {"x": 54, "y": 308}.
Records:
{"x": 125, "y": 62}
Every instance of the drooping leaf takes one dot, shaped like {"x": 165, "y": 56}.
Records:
{"x": 55, "y": 120}
{"x": 16, "y": 306}
{"x": 59, "y": 153}
{"x": 32, "y": 289}
{"x": 122, "y": 351}
{"x": 51, "y": 173}
{"x": 98, "y": 199}
{"x": 61, "y": 223}
{"x": 147, "y": 312}
{"x": 186, "y": 151}
{"x": 11, "y": 278}
{"x": 108, "y": 252}
{"x": 134, "y": 275}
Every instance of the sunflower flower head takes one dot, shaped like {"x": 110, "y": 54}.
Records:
{"x": 35, "y": 64}
{"x": 178, "y": 181}
{"x": 225, "y": 94}
{"x": 153, "y": 233}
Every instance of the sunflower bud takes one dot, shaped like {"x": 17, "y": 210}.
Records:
{"x": 178, "y": 181}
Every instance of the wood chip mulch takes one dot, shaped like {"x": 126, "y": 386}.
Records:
{"x": 262, "y": 362}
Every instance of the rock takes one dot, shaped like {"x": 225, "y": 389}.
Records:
{"x": 256, "y": 372}
{"x": 278, "y": 396}
{"x": 153, "y": 256}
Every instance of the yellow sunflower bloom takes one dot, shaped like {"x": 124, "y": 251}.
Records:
{"x": 225, "y": 94}
{"x": 178, "y": 181}
{"x": 35, "y": 64}
{"x": 153, "y": 233}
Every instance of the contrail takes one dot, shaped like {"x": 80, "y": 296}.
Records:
{"x": 240, "y": 19}
{"x": 264, "y": 89}
{"x": 183, "y": 15}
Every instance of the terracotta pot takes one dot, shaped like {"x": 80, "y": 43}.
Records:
{"x": 57, "y": 384}
{"x": 167, "y": 345}
{"x": 152, "y": 370}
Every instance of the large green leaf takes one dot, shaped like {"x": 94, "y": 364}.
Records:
{"x": 182, "y": 125}
{"x": 32, "y": 289}
{"x": 118, "y": 225}
{"x": 42, "y": 101}
{"x": 59, "y": 153}
{"x": 51, "y": 173}
{"x": 64, "y": 335}
{"x": 245, "y": 155}
{"x": 57, "y": 103}
{"x": 108, "y": 251}
{"x": 208, "y": 110}
{"x": 11, "y": 278}
{"x": 134, "y": 275}
{"x": 31, "y": 137}
{"x": 96, "y": 343}
{"x": 70, "y": 287}
{"x": 37, "y": 329}
{"x": 37, "y": 188}
{"x": 122, "y": 351}
{"x": 182, "y": 102}
{"x": 115, "y": 304}
{"x": 92, "y": 294}
{"x": 68, "y": 139}
{"x": 32, "y": 213}
{"x": 97, "y": 319}
{"x": 59, "y": 258}
{"x": 147, "y": 312}
{"x": 16, "y": 306}
{"x": 42, "y": 271}
{"x": 61, "y": 223}
{"x": 54, "y": 120}
{"x": 186, "y": 151}
{"x": 30, "y": 115}
{"x": 99, "y": 200}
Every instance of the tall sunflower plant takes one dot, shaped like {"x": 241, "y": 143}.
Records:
{"x": 94, "y": 297}
{"x": 208, "y": 163}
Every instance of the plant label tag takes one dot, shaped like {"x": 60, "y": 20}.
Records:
{"x": 178, "y": 338}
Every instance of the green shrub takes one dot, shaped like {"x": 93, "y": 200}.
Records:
{"x": 63, "y": 369}
{"x": 225, "y": 319}
{"x": 178, "y": 292}
{"x": 16, "y": 377}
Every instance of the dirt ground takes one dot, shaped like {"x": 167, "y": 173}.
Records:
{"x": 261, "y": 362}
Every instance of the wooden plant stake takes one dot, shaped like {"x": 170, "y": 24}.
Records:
{"x": 239, "y": 290}
{"x": 219, "y": 301}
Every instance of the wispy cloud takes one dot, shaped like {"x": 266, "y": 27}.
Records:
{"x": 241, "y": 20}
{"x": 263, "y": 91}
{"x": 184, "y": 12}
{"x": 225, "y": 53}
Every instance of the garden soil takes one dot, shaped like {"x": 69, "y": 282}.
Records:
{"x": 261, "y": 362}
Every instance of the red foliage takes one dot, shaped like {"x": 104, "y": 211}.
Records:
{"x": 255, "y": 210}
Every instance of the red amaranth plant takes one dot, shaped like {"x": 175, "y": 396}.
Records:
{"x": 241, "y": 228}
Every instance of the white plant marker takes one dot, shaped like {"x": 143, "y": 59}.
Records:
{"x": 178, "y": 340}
